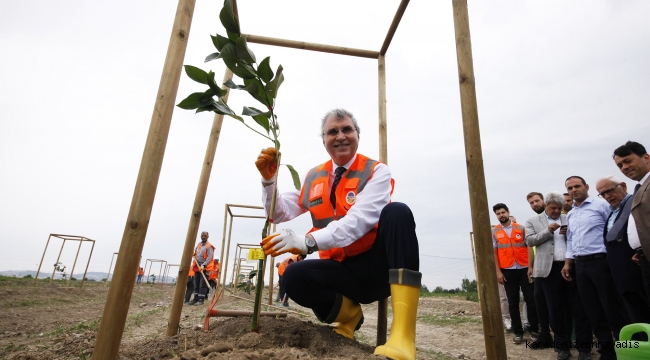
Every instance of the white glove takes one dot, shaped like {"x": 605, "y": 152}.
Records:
{"x": 284, "y": 242}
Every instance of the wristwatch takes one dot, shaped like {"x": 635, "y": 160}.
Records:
{"x": 311, "y": 245}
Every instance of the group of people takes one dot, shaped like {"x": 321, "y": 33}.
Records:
{"x": 580, "y": 262}
{"x": 204, "y": 267}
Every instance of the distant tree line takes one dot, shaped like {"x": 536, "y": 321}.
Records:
{"x": 467, "y": 287}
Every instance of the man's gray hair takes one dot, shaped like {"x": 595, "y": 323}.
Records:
{"x": 554, "y": 197}
{"x": 612, "y": 178}
{"x": 339, "y": 114}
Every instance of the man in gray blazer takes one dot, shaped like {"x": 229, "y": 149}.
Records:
{"x": 633, "y": 161}
{"x": 547, "y": 232}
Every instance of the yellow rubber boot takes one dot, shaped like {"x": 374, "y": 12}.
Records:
{"x": 349, "y": 319}
{"x": 401, "y": 343}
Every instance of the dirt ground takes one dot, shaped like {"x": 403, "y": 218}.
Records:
{"x": 54, "y": 322}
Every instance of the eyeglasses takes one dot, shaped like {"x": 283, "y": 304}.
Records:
{"x": 608, "y": 191}
{"x": 346, "y": 130}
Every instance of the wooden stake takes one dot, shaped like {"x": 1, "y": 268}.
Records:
{"x": 393, "y": 26}
{"x": 57, "y": 261}
{"x": 225, "y": 269}
{"x": 88, "y": 263}
{"x": 42, "y": 257}
{"x": 382, "y": 305}
{"x": 471, "y": 241}
{"x": 495, "y": 347}
{"x": 74, "y": 264}
{"x": 111, "y": 327}
{"x": 311, "y": 46}
{"x": 195, "y": 218}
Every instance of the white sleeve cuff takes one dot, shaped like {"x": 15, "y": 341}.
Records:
{"x": 323, "y": 239}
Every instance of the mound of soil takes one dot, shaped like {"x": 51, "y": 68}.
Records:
{"x": 231, "y": 338}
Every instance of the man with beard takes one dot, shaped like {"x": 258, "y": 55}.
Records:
{"x": 536, "y": 202}
{"x": 633, "y": 161}
{"x": 585, "y": 247}
{"x": 627, "y": 274}
{"x": 568, "y": 203}
{"x": 511, "y": 255}
{"x": 546, "y": 232}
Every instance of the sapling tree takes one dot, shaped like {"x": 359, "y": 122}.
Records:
{"x": 59, "y": 267}
{"x": 246, "y": 282}
{"x": 259, "y": 81}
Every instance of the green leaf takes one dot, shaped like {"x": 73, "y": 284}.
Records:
{"x": 273, "y": 85}
{"x": 229, "y": 83}
{"x": 196, "y": 74}
{"x": 220, "y": 41}
{"x": 277, "y": 144}
{"x": 205, "y": 108}
{"x": 216, "y": 90}
{"x": 262, "y": 118}
{"x": 240, "y": 69}
{"x": 228, "y": 52}
{"x": 220, "y": 107}
{"x": 243, "y": 52}
{"x": 264, "y": 70}
{"x": 294, "y": 176}
{"x": 256, "y": 89}
{"x": 229, "y": 20}
{"x": 252, "y": 274}
{"x": 211, "y": 57}
{"x": 192, "y": 102}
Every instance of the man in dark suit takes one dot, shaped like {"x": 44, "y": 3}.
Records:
{"x": 633, "y": 161}
{"x": 626, "y": 274}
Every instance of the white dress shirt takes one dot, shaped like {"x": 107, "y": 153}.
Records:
{"x": 361, "y": 217}
{"x": 559, "y": 241}
{"x": 632, "y": 232}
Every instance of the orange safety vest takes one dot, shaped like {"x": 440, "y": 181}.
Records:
{"x": 191, "y": 273}
{"x": 285, "y": 263}
{"x": 140, "y": 271}
{"x": 209, "y": 266}
{"x": 215, "y": 271}
{"x": 511, "y": 248}
{"x": 317, "y": 201}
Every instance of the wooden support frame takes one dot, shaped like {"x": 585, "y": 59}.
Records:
{"x": 111, "y": 329}
{"x": 65, "y": 238}
{"x": 166, "y": 273}
{"x": 163, "y": 263}
{"x": 110, "y": 266}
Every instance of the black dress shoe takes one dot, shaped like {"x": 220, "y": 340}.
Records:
{"x": 584, "y": 356}
{"x": 563, "y": 355}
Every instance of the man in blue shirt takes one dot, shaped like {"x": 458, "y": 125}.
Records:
{"x": 586, "y": 225}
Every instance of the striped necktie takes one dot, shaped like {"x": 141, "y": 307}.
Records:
{"x": 339, "y": 172}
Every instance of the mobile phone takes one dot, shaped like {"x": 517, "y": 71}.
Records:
{"x": 563, "y": 227}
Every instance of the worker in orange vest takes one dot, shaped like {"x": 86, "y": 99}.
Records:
{"x": 203, "y": 256}
{"x": 511, "y": 257}
{"x": 367, "y": 245}
{"x": 214, "y": 274}
{"x": 189, "y": 288}
{"x": 281, "y": 268}
{"x": 140, "y": 274}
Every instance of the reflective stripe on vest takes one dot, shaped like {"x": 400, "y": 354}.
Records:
{"x": 315, "y": 197}
{"x": 511, "y": 248}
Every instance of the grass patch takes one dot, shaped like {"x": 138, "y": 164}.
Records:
{"x": 23, "y": 303}
{"x": 363, "y": 338}
{"x": 12, "y": 347}
{"x": 444, "y": 320}
{"x": 462, "y": 295}
{"x": 60, "y": 329}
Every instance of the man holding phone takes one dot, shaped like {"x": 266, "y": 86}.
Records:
{"x": 547, "y": 231}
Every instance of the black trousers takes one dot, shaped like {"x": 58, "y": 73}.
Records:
{"x": 645, "y": 273}
{"x": 189, "y": 288}
{"x": 280, "y": 289}
{"x": 601, "y": 302}
{"x": 542, "y": 311}
{"x": 558, "y": 292}
{"x": 362, "y": 278}
{"x": 518, "y": 279}
{"x": 200, "y": 287}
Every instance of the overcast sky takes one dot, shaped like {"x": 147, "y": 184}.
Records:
{"x": 559, "y": 86}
